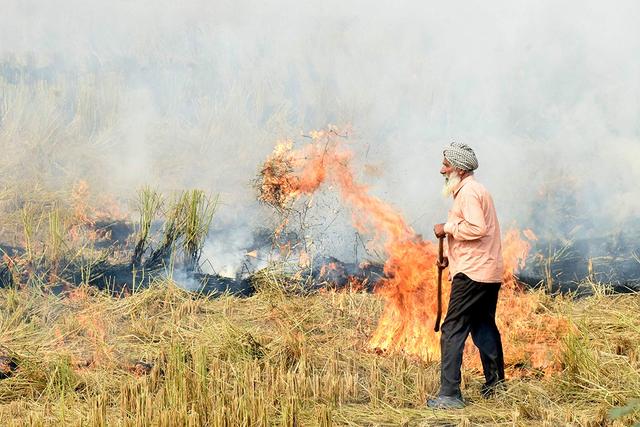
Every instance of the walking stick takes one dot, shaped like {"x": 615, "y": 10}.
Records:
{"x": 440, "y": 259}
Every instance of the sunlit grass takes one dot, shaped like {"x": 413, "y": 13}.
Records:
{"x": 280, "y": 359}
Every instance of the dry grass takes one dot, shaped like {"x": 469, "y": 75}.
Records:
{"x": 279, "y": 359}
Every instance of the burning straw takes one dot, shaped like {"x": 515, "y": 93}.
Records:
{"x": 409, "y": 286}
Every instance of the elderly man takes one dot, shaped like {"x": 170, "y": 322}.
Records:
{"x": 475, "y": 266}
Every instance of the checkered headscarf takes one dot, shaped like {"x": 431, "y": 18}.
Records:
{"x": 461, "y": 156}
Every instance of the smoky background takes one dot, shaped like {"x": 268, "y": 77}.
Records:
{"x": 123, "y": 94}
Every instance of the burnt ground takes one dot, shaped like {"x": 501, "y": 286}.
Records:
{"x": 557, "y": 266}
{"x": 612, "y": 260}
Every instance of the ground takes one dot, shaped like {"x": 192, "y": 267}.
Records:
{"x": 164, "y": 357}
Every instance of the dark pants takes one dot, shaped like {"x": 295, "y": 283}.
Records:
{"x": 472, "y": 308}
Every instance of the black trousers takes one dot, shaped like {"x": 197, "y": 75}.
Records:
{"x": 472, "y": 309}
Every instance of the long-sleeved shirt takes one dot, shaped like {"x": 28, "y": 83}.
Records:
{"x": 473, "y": 234}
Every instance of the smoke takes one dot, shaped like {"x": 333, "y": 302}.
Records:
{"x": 196, "y": 93}
{"x": 235, "y": 250}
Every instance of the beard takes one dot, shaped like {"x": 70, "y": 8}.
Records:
{"x": 451, "y": 181}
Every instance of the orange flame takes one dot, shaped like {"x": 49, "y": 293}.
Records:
{"x": 85, "y": 216}
{"x": 409, "y": 289}
{"x": 406, "y": 323}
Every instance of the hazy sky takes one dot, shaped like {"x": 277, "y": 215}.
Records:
{"x": 196, "y": 93}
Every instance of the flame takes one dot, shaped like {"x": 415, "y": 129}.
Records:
{"x": 85, "y": 213}
{"x": 355, "y": 284}
{"x": 93, "y": 326}
{"x": 85, "y": 216}
{"x": 79, "y": 197}
{"x": 529, "y": 234}
{"x": 409, "y": 289}
{"x": 531, "y": 339}
{"x": 95, "y": 331}
{"x": 514, "y": 255}
{"x": 277, "y": 185}
{"x": 408, "y": 317}
{"x": 326, "y": 268}
{"x": 407, "y": 320}
{"x": 252, "y": 254}
{"x": 304, "y": 260}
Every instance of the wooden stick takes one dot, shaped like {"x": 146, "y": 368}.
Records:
{"x": 440, "y": 260}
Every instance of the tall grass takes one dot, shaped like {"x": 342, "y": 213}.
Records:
{"x": 31, "y": 223}
{"x": 56, "y": 238}
{"x": 186, "y": 224}
{"x": 149, "y": 204}
{"x": 199, "y": 210}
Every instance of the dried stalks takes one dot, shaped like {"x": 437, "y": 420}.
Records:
{"x": 277, "y": 183}
{"x": 284, "y": 360}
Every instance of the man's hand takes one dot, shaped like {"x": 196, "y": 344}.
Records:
{"x": 438, "y": 229}
{"x": 444, "y": 264}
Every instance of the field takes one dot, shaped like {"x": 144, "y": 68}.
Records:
{"x": 163, "y": 357}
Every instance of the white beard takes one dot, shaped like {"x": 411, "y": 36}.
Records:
{"x": 451, "y": 181}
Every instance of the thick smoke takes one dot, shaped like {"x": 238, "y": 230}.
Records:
{"x": 195, "y": 94}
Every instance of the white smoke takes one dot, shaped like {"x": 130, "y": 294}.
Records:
{"x": 195, "y": 94}
{"x": 226, "y": 253}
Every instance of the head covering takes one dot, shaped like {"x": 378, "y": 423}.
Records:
{"x": 461, "y": 156}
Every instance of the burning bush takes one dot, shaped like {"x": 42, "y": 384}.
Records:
{"x": 277, "y": 182}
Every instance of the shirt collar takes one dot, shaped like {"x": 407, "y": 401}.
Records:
{"x": 461, "y": 184}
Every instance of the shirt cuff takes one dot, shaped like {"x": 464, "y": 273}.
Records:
{"x": 448, "y": 228}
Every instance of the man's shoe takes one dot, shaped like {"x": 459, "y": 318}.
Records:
{"x": 446, "y": 402}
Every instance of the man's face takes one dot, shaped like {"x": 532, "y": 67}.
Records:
{"x": 446, "y": 169}
{"x": 451, "y": 178}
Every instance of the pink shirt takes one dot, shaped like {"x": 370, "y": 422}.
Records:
{"x": 473, "y": 234}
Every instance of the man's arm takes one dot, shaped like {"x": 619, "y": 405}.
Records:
{"x": 472, "y": 226}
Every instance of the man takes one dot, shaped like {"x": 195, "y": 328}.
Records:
{"x": 475, "y": 265}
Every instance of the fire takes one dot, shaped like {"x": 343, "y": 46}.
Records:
{"x": 85, "y": 213}
{"x": 531, "y": 339}
{"x": 514, "y": 255}
{"x": 79, "y": 197}
{"x": 277, "y": 184}
{"x": 409, "y": 289}
{"x": 407, "y": 320}
{"x": 94, "y": 328}
{"x": 406, "y": 324}
{"x": 85, "y": 216}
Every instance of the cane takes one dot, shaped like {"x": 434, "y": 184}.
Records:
{"x": 440, "y": 259}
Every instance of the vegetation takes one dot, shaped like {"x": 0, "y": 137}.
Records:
{"x": 162, "y": 356}
{"x": 149, "y": 203}
{"x": 198, "y": 214}
{"x": 282, "y": 359}
{"x": 186, "y": 225}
